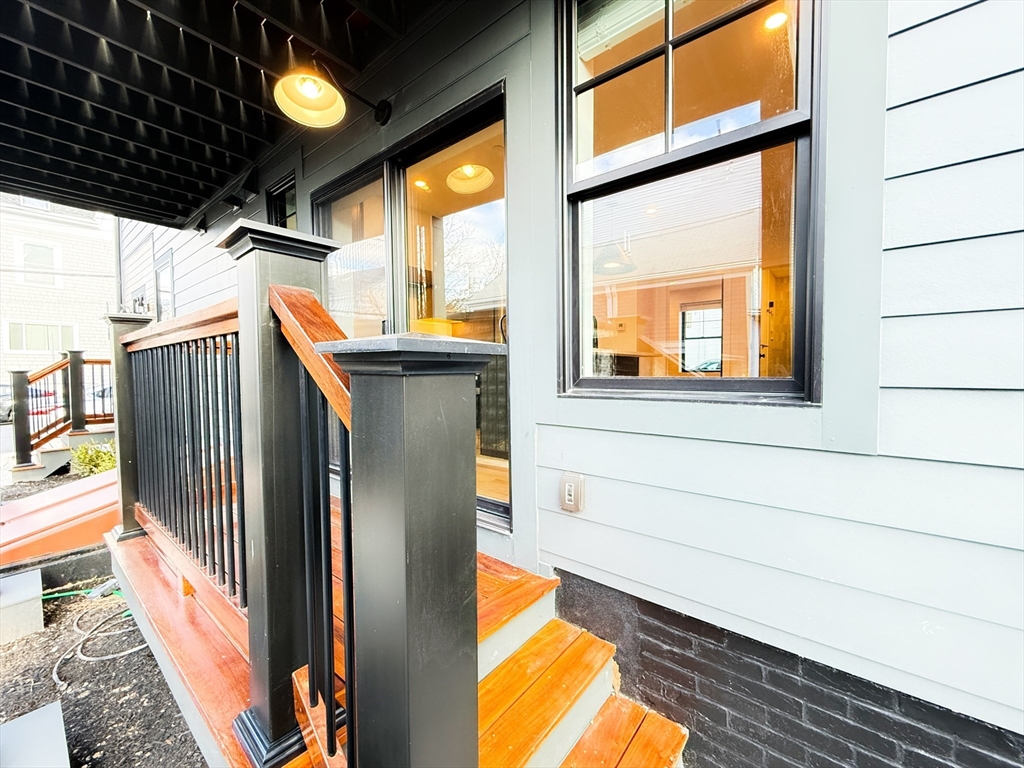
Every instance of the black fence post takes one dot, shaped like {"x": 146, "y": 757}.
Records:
{"x": 272, "y": 493}
{"x": 413, "y": 535}
{"x": 22, "y": 428}
{"x": 76, "y": 390}
{"x": 125, "y": 425}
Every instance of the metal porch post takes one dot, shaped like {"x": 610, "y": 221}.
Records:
{"x": 22, "y": 428}
{"x": 124, "y": 419}
{"x": 76, "y": 393}
{"x": 271, "y": 452}
{"x": 414, "y": 546}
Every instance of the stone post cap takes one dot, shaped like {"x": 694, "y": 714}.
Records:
{"x": 128, "y": 317}
{"x": 405, "y": 354}
{"x": 245, "y": 235}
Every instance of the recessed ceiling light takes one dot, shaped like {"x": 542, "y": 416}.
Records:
{"x": 651, "y": 211}
{"x": 470, "y": 178}
{"x": 775, "y": 21}
{"x": 421, "y": 184}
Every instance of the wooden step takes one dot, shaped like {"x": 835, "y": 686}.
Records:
{"x": 313, "y": 722}
{"x": 627, "y": 734}
{"x": 542, "y": 725}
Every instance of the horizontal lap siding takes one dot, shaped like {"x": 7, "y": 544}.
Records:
{"x": 905, "y": 567}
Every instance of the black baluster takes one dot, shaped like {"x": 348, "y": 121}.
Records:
{"x": 229, "y": 530}
{"x": 327, "y": 606}
{"x": 348, "y": 593}
{"x": 236, "y": 433}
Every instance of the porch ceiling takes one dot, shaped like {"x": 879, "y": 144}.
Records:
{"x": 158, "y": 109}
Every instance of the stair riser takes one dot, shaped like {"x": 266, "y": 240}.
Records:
{"x": 510, "y": 637}
{"x": 556, "y": 747}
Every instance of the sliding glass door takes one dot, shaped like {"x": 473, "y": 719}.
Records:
{"x": 427, "y": 253}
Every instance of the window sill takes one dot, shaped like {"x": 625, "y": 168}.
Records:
{"x": 680, "y": 396}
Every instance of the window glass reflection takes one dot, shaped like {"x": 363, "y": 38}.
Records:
{"x": 691, "y": 276}
{"x": 357, "y": 295}
{"x": 457, "y": 275}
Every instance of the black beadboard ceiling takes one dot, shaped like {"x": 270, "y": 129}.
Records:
{"x": 156, "y": 110}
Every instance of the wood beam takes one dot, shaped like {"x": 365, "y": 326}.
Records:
{"x": 391, "y": 25}
{"x": 47, "y": 187}
{"x": 241, "y": 32}
{"x": 77, "y": 48}
{"x": 77, "y": 83}
{"x": 186, "y": 155}
{"x": 161, "y": 42}
{"x": 49, "y": 152}
{"x": 308, "y": 23}
{"x": 144, "y": 159}
{"x": 91, "y": 177}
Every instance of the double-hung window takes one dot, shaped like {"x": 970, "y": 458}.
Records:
{"x": 688, "y": 189}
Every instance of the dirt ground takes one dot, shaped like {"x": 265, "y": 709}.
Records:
{"x": 21, "y": 490}
{"x": 117, "y": 711}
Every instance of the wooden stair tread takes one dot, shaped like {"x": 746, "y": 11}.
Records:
{"x": 514, "y": 676}
{"x": 518, "y": 733}
{"x": 604, "y": 743}
{"x": 658, "y": 743}
{"x": 313, "y": 722}
{"x": 496, "y": 611}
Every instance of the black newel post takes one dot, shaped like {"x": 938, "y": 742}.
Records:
{"x": 125, "y": 424}
{"x": 271, "y": 454}
{"x": 75, "y": 395}
{"x": 22, "y": 428}
{"x": 414, "y": 546}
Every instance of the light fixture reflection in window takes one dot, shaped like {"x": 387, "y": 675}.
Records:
{"x": 470, "y": 178}
{"x": 775, "y": 21}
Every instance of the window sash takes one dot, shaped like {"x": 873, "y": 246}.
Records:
{"x": 793, "y": 126}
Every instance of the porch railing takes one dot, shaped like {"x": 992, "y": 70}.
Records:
{"x": 65, "y": 396}
{"x": 188, "y": 431}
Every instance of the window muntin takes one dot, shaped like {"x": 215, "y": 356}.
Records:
{"x": 357, "y": 277}
{"x": 458, "y": 277}
{"x": 40, "y": 337}
{"x": 732, "y": 176}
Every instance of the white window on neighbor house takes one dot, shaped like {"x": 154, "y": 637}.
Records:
{"x": 31, "y": 202}
{"x": 40, "y": 337}
{"x": 39, "y": 264}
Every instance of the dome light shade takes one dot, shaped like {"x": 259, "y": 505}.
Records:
{"x": 613, "y": 260}
{"x": 306, "y": 96}
{"x": 470, "y": 178}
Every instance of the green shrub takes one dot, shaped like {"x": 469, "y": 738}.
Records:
{"x": 93, "y": 458}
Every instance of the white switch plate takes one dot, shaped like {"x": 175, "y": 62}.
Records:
{"x": 571, "y": 492}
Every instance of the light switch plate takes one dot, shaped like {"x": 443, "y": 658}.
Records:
{"x": 571, "y": 492}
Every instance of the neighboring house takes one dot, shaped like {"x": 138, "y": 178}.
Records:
{"x": 58, "y": 278}
{"x": 777, "y": 328}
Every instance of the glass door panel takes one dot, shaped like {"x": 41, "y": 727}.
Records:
{"x": 357, "y": 295}
{"x": 457, "y": 277}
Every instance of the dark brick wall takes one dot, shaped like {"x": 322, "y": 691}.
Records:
{"x": 748, "y": 704}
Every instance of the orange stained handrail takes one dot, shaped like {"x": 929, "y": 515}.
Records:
{"x": 42, "y": 373}
{"x": 304, "y": 323}
{"x": 214, "y": 320}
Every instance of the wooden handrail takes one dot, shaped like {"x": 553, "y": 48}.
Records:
{"x": 214, "y": 320}
{"x": 305, "y": 322}
{"x": 95, "y": 361}
{"x": 42, "y": 373}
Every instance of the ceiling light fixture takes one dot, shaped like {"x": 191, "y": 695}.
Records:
{"x": 311, "y": 96}
{"x": 775, "y": 21}
{"x": 470, "y": 178}
{"x": 613, "y": 260}
{"x": 421, "y": 184}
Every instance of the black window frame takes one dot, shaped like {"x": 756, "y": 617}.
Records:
{"x": 800, "y": 127}
{"x": 276, "y": 210}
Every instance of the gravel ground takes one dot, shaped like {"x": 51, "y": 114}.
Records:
{"x": 21, "y": 490}
{"x": 118, "y": 711}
